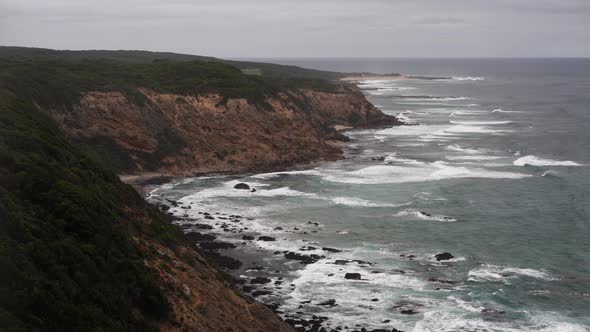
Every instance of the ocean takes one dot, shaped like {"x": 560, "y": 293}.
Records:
{"x": 493, "y": 168}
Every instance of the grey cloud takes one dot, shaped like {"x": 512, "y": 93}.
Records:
{"x": 274, "y": 28}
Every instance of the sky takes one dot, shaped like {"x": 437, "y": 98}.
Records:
{"x": 305, "y": 28}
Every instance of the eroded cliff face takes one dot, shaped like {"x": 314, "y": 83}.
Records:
{"x": 200, "y": 298}
{"x": 179, "y": 134}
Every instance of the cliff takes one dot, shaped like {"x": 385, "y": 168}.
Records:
{"x": 191, "y": 117}
{"x": 173, "y": 133}
{"x": 82, "y": 251}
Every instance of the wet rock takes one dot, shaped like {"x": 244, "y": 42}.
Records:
{"x": 266, "y": 238}
{"x": 341, "y": 262}
{"x": 278, "y": 228}
{"x": 408, "y": 312}
{"x": 260, "y": 280}
{"x": 353, "y": 276}
{"x": 445, "y": 256}
{"x": 253, "y": 190}
{"x": 209, "y": 217}
{"x": 255, "y": 268}
{"x": 308, "y": 248}
{"x": 381, "y": 158}
{"x": 202, "y": 226}
{"x": 330, "y": 302}
{"x": 363, "y": 262}
{"x": 247, "y": 237}
{"x": 222, "y": 260}
{"x": 407, "y": 307}
{"x": 426, "y": 214}
{"x": 313, "y": 223}
{"x": 216, "y": 245}
{"x": 374, "y": 300}
{"x": 243, "y": 186}
{"x": 442, "y": 281}
{"x": 330, "y": 249}
{"x": 493, "y": 314}
{"x": 261, "y": 292}
{"x": 198, "y": 237}
{"x": 304, "y": 259}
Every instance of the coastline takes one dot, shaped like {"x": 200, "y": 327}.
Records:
{"x": 267, "y": 271}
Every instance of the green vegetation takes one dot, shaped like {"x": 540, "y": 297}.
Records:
{"x": 67, "y": 258}
{"x": 265, "y": 69}
{"x": 60, "y": 83}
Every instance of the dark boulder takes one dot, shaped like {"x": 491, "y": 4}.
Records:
{"x": 330, "y": 302}
{"x": 216, "y": 245}
{"x": 198, "y": 237}
{"x": 445, "y": 256}
{"x": 223, "y": 261}
{"x": 330, "y": 249}
{"x": 266, "y": 238}
{"x": 202, "y": 226}
{"x": 242, "y": 186}
{"x": 248, "y": 237}
{"x": 442, "y": 281}
{"x": 260, "y": 280}
{"x": 353, "y": 276}
{"x": 260, "y": 293}
{"x": 304, "y": 259}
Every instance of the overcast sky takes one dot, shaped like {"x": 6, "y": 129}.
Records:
{"x": 305, "y": 28}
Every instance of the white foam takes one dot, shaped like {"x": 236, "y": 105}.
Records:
{"x": 470, "y": 129}
{"x": 424, "y": 216}
{"x": 439, "y": 170}
{"x": 498, "y": 273}
{"x": 499, "y": 110}
{"x": 468, "y": 78}
{"x": 473, "y": 157}
{"x": 430, "y": 98}
{"x": 358, "y": 202}
{"x": 229, "y": 191}
{"x": 536, "y": 161}
{"x": 276, "y": 174}
{"x": 417, "y": 130}
{"x": 392, "y": 158}
{"x": 459, "y": 148}
{"x": 480, "y": 122}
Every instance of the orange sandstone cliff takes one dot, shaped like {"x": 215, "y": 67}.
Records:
{"x": 186, "y": 134}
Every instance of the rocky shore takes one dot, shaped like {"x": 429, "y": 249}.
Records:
{"x": 227, "y": 242}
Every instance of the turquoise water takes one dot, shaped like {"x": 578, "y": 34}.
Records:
{"x": 495, "y": 171}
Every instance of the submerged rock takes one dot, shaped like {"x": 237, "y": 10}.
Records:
{"x": 442, "y": 281}
{"x": 330, "y": 302}
{"x": 260, "y": 280}
{"x": 266, "y": 238}
{"x": 242, "y": 186}
{"x": 407, "y": 307}
{"x": 353, "y": 276}
{"x": 247, "y": 237}
{"x": 445, "y": 256}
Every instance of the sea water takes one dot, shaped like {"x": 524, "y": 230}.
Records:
{"x": 494, "y": 169}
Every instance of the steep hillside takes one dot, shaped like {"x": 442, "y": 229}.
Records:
{"x": 187, "y": 117}
{"x": 81, "y": 251}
